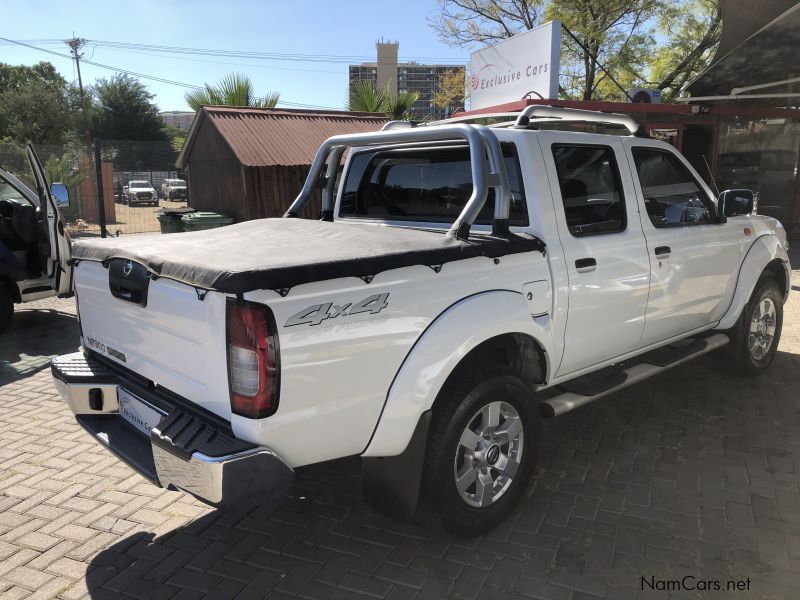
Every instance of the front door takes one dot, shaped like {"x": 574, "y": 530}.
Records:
{"x": 694, "y": 259}
{"x": 51, "y": 230}
{"x": 604, "y": 247}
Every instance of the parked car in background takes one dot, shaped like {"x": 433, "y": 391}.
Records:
{"x": 141, "y": 192}
{"x": 34, "y": 247}
{"x": 174, "y": 189}
{"x": 463, "y": 282}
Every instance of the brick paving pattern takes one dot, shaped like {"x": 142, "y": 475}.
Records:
{"x": 691, "y": 473}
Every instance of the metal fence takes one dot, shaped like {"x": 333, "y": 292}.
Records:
{"x": 151, "y": 168}
{"x": 70, "y": 164}
{"x": 98, "y": 177}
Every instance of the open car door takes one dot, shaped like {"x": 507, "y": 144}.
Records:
{"x": 54, "y": 247}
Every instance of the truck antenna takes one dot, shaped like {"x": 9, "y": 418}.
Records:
{"x": 710, "y": 174}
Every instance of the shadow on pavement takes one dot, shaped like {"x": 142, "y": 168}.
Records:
{"x": 674, "y": 476}
{"x": 33, "y": 338}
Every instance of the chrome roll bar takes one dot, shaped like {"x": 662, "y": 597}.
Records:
{"x": 481, "y": 140}
{"x": 330, "y": 182}
{"x": 575, "y": 114}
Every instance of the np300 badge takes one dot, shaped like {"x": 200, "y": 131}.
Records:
{"x": 314, "y": 315}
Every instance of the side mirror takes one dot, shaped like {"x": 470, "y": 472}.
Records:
{"x": 61, "y": 194}
{"x": 736, "y": 202}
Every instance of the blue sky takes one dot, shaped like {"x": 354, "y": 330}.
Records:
{"x": 332, "y": 28}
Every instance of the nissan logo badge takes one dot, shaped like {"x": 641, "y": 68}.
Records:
{"x": 127, "y": 268}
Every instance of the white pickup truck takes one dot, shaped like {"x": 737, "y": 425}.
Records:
{"x": 463, "y": 282}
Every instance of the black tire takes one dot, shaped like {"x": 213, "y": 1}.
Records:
{"x": 457, "y": 407}
{"x": 6, "y": 306}
{"x": 739, "y": 359}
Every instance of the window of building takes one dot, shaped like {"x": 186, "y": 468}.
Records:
{"x": 423, "y": 184}
{"x": 672, "y": 195}
{"x": 590, "y": 189}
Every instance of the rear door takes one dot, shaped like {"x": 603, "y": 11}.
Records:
{"x": 53, "y": 240}
{"x": 694, "y": 258}
{"x": 604, "y": 246}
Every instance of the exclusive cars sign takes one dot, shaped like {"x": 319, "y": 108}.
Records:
{"x": 525, "y": 63}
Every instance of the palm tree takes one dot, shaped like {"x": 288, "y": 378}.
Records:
{"x": 366, "y": 97}
{"x": 398, "y": 107}
{"x": 232, "y": 90}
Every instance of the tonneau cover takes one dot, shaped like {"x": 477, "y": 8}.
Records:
{"x": 279, "y": 254}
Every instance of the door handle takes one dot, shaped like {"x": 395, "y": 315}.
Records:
{"x": 585, "y": 264}
{"x": 663, "y": 251}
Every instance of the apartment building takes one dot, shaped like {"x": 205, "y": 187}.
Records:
{"x": 406, "y": 77}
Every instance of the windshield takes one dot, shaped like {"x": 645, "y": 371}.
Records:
{"x": 144, "y": 184}
{"x": 423, "y": 184}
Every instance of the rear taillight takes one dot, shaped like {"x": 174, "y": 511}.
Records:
{"x": 253, "y": 362}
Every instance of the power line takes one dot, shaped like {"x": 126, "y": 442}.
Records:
{"x": 150, "y": 77}
{"x": 218, "y": 62}
{"x": 330, "y": 58}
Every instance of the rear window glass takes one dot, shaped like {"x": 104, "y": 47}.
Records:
{"x": 423, "y": 184}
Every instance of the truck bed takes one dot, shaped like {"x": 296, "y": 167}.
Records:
{"x": 279, "y": 254}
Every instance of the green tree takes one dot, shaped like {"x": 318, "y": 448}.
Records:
{"x": 14, "y": 77}
{"x": 232, "y": 90}
{"x": 613, "y": 33}
{"x": 177, "y": 137}
{"x": 619, "y": 34}
{"x": 123, "y": 109}
{"x": 35, "y": 112}
{"x": 485, "y": 22}
{"x": 366, "y": 97}
{"x": 64, "y": 169}
{"x": 692, "y": 29}
{"x": 451, "y": 91}
{"x": 34, "y": 104}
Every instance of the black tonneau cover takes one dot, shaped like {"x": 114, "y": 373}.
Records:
{"x": 279, "y": 254}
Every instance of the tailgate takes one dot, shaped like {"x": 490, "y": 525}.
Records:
{"x": 171, "y": 336}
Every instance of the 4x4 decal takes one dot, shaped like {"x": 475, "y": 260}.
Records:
{"x": 314, "y": 315}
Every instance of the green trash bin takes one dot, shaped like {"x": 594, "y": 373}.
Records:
{"x": 170, "y": 219}
{"x": 197, "y": 221}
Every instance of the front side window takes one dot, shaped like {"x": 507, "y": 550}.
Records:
{"x": 672, "y": 196}
{"x": 423, "y": 184}
{"x": 590, "y": 189}
{"x": 9, "y": 192}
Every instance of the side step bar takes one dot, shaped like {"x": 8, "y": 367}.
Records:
{"x": 591, "y": 387}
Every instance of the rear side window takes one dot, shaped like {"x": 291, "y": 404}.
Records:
{"x": 423, "y": 184}
{"x": 590, "y": 189}
{"x": 672, "y": 196}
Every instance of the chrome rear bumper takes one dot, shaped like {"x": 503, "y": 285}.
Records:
{"x": 188, "y": 450}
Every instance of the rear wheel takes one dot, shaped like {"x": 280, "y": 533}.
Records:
{"x": 483, "y": 447}
{"x": 6, "y": 306}
{"x": 755, "y": 337}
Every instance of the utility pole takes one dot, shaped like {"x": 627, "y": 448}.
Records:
{"x": 75, "y": 44}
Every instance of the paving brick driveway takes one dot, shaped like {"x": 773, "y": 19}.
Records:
{"x": 690, "y": 474}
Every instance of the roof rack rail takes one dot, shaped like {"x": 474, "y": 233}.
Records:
{"x": 476, "y": 117}
{"x": 575, "y": 114}
{"x": 399, "y": 125}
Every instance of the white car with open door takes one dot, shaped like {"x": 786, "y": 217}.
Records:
{"x": 463, "y": 282}
{"x": 34, "y": 247}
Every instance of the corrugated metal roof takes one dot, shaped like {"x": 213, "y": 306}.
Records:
{"x": 278, "y": 136}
